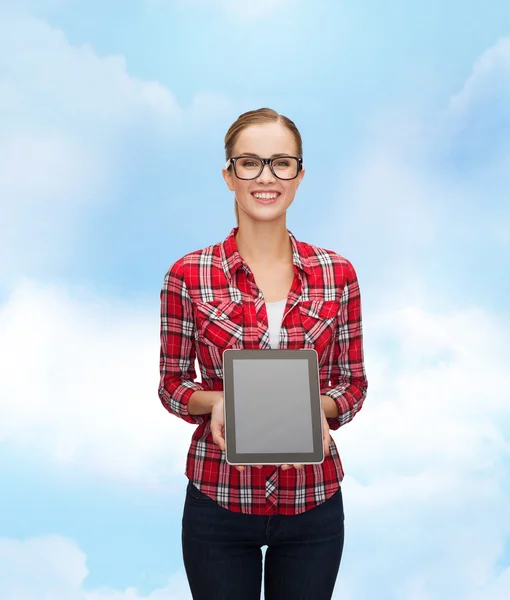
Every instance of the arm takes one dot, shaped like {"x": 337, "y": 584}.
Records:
{"x": 177, "y": 356}
{"x": 348, "y": 385}
{"x": 329, "y": 406}
{"x": 202, "y": 403}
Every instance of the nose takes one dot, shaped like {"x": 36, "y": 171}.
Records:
{"x": 266, "y": 174}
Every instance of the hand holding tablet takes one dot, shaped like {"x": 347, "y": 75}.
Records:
{"x": 272, "y": 409}
{"x": 218, "y": 434}
{"x": 326, "y": 439}
{"x": 218, "y": 428}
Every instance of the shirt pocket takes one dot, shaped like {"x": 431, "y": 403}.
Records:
{"x": 220, "y": 323}
{"x": 319, "y": 319}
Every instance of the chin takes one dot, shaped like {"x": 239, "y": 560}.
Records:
{"x": 264, "y": 213}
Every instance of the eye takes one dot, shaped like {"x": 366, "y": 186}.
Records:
{"x": 249, "y": 163}
{"x": 282, "y": 163}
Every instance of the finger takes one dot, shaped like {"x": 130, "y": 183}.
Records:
{"x": 214, "y": 433}
{"x": 219, "y": 441}
{"x": 217, "y": 436}
{"x": 327, "y": 437}
{"x": 240, "y": 468}
{"x": 285, "y": 467}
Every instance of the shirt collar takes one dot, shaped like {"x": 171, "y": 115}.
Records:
{"x": 232, "y": 261}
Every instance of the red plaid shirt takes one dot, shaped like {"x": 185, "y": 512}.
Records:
{"x": 210, "y": 302}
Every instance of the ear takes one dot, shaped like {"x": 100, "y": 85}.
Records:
{"x": 300, "y": 177}
{"x": 229, "y": 179}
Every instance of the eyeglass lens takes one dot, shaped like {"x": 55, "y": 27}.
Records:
{"x": 285, "y": 167}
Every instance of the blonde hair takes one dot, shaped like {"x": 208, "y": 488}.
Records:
{"x": 255, "y": 117}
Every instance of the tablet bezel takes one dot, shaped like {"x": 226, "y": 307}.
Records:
{"x": 272, "y": 458}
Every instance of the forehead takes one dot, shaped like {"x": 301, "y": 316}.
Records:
{"x": 266, "y": 139}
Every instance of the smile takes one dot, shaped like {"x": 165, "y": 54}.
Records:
{"x": 266, "y": 195}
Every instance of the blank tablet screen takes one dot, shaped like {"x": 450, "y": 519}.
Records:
{"x": 272, "y": 406}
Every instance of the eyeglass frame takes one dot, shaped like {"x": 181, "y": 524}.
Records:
{"x": 265, "y": 161}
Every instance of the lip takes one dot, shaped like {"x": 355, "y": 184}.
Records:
{"x": 266, "y": 200}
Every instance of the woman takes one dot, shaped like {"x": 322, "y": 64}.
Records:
{"x": 260, "y": 288}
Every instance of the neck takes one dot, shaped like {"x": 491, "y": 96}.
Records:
{"x": 263, "y": 243}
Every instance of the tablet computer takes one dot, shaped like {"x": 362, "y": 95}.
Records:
{"x": 272, "y": 407}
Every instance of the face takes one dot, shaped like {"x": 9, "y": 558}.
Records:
{"x": 264, "y": 140}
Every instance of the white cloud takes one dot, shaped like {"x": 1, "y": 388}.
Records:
{"x": 65, "y": 115}
{"x": 498, "y": 589}
{"x": 426, "y": 502}
{"x": 54, "y": 568}
{"x": 75, "y": 83}
{"x": 49, "y": 567}
{"x": 427, "y": 459}
{"x": 79, "y": 381}
{"x": 63, "y": 108}
{"x": 421, "y": 179}
{"x": 490, "y": 78}
{"x": 476, "y": 127}
{"x": 426, "y": 490}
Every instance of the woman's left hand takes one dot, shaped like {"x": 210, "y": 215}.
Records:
{"x": 326, "y": 438}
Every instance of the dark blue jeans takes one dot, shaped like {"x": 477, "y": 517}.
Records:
{"x": 223, "y": 557}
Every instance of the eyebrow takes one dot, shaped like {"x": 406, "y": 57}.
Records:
{"x": 258, "y": 156}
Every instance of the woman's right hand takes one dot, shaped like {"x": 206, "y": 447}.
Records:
{"x": 218, "y": 422}
{"x": 218, "y": 427}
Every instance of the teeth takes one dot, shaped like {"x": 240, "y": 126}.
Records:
{"x": 265, "y": 196}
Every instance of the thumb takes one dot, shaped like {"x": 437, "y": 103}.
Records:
{"x": 217, "y": 435}
{"x": 327, "y": 442}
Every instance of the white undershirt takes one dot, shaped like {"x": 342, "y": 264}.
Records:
{"x": 275, "y": 312}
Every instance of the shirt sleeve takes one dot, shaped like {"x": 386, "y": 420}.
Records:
{"x": 348, "y": 383}
{"x": 177, "y": 356}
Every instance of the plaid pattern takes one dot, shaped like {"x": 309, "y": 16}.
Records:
{"x": 210, "y": 302}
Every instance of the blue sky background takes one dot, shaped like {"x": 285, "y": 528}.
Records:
{"x": 112, "y": 118}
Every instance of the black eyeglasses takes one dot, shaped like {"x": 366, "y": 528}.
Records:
{"x": 250, "y": 167}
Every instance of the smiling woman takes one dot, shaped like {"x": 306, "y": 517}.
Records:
{"x": 261, "y": 288}
{"x": 280, "y": 128}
